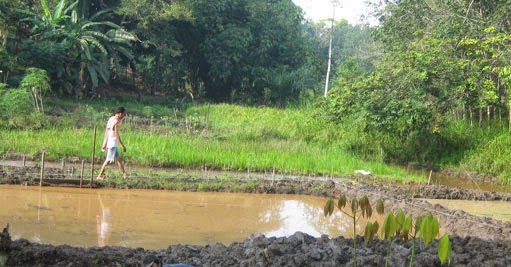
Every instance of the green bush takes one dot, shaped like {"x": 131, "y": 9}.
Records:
{"x": 15, "y": 107}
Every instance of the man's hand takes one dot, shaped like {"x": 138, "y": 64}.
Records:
{"x": 123, "y": 148}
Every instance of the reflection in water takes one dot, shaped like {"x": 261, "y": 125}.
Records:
{"x": 103, "y": 224}
{"x": 294, "y": 216}
{"x": 155, "y": 219}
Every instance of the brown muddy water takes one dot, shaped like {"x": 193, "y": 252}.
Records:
{"x": 499, "y": 210}
{"x": 154, "y": 219}
{"x": 468, "y": 183}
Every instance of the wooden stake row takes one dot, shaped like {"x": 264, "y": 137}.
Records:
{"x": 41, "y": 178}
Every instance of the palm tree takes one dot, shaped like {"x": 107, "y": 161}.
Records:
{"x": 98, "y": 46}
{"x": 92, "y": 47}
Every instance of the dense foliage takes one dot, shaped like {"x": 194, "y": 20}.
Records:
{"x": 226, "y": 50}
{"x": 442, "y": 61}
{"x": 427, "y": 85}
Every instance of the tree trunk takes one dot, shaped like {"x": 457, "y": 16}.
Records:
{"x": 488, "y": 113}
{"x": 471, "y": 114}
{"x": 480, "y": 118}
{"x": 156, "y": 76}
{"x": 329, "y": 56}
{"x": 509, "y": 118}
{"x": 500, "y": 118}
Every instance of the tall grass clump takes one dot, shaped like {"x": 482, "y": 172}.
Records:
{"x": 491, "y": 158}
{"x": 461, "y": 139}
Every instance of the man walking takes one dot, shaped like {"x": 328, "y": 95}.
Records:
{"x": 111, "y": 143}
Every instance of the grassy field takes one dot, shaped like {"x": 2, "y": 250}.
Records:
{"x": 222, "y": 137}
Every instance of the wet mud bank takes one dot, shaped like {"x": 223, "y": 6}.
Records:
{"x": 297, "y": 250}
{"x": 476, "y": 241}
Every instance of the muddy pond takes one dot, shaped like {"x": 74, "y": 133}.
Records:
{"x": 156, "y": 218}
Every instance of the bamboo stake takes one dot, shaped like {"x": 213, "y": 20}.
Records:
{"x": 24, "y": 161}
{"x": 42, "y": 170}
{"x": 81, "y": 174}
{"x": 93, "y": 155}
{"x": 273, "y": 175}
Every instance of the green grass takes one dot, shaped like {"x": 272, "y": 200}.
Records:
{"x": 238, "y": 122}
{"x": 491, "y": 159}
{"x": 293, "y": 157}
{"x": 221, "y": 137}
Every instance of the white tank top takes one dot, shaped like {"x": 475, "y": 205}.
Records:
{"x": 111, "y": 139}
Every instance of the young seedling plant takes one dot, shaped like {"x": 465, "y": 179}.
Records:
{"x": 425, "y": 228}
{"x": 399, "y": 225}
{"x": 359, "y": 207}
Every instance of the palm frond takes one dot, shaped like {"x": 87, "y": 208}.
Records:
{"x": 93, "y": 75}
{"x": 125, "y": 52}
{"x": 103, "y": 70}
{"x": 86, "y": 49}
{"x": 94, "y": 42}
{"x": 100, "y": 13}
{"x": 122, "y": 36}
{"x": 97, "y": 34}
{"x": 70, "y": 7}
{"x": 59, "y": 9}
{"x": 74, "y": 17}
{"x": 46, "y": 9}
{"x": 102, "y": 23}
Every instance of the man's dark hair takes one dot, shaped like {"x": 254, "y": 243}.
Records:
{"x": 120, "y": 110}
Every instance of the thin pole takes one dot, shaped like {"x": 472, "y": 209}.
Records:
{"x": 42, "y": 170}
{"x": 81, "y": 174}
{"x": 93, "y": 154}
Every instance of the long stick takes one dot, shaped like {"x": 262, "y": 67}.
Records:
{"x": 42, "y": 170}
{"x": 93, "y": 154}
{"x": 81, "y": 174}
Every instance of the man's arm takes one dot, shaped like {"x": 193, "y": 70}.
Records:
{"x": 105, "y": 140}
{"x": 116, "y": 132}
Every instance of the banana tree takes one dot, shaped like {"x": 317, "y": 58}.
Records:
{"x": 96, "y": 47}
{"x": 92, "y": 47}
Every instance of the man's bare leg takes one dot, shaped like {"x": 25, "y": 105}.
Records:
{"x": 121, "y": 166}
{"x": 101, "y": 172}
